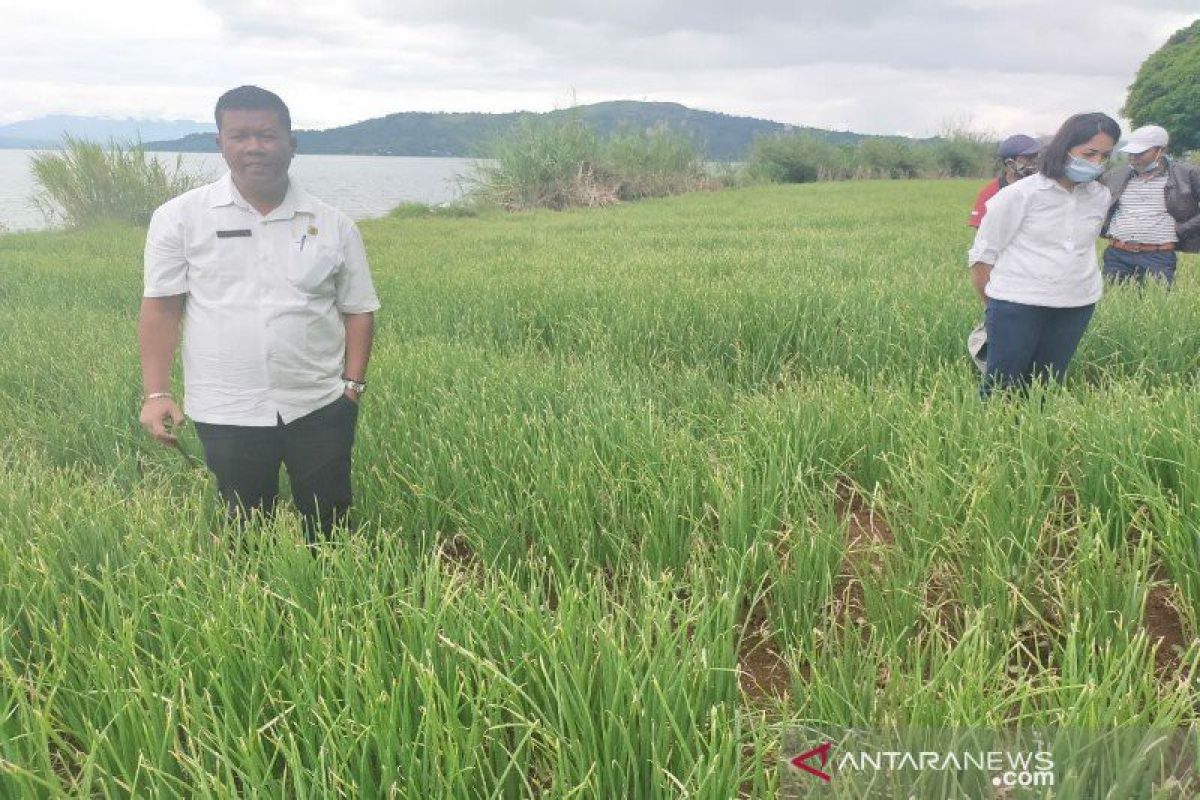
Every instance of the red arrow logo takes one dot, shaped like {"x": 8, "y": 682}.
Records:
{"x": 800, "y": 761}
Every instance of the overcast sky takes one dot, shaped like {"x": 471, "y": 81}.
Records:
{"x": 873, "y": 66}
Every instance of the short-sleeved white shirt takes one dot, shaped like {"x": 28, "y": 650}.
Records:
{"x": 1041, "y": 242}
{"x": 263, "y": 337}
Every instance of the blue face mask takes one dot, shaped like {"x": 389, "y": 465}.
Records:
{"x": 1081, "y": 170}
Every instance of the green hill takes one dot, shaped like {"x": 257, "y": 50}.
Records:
{"x": 722, "y": 137}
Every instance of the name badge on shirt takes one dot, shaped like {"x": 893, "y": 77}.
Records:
{"x": 233, "y": 234}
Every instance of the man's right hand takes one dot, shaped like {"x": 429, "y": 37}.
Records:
{"x": 159, "y": 417}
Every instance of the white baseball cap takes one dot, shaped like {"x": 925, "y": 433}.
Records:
{"x": 1144, "y": 138}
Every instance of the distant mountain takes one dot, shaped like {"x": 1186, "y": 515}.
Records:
{"x": 24, "y": 144}
{"x": 48, "y": 131}
{"x": 721, "y": 137}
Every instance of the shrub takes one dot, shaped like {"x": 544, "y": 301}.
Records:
{"x": 891, "y": 158}
{"x": 962, "y": 152}
{"x": 413, "y": 210}
{"x": 959, "y": 158}
{"x": 801, "y": 158}
{"x": 794, "y": 158}
{"x": 654, "y": 163}
{"x": 560, "y": 163}
{"x": 85, "y": 183}
{"x": 544, "y": 163}
{"x": 727, "y": 175}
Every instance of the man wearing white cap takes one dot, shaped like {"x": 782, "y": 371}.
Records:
{"x": 1154, "y": 212}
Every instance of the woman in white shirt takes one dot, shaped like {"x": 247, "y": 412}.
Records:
{"x": 1034, "y": 258}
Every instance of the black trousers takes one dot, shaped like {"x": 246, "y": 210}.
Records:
{"x": 315, "y": 449}
{"x": 1028, "y": 342}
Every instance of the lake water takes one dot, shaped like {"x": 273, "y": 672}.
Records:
{"x": 362, "y": 186}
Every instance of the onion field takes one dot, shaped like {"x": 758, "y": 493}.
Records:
{"x": 649, "y": 500}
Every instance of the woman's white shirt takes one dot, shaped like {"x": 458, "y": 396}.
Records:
{"x": 1041, "y": 242}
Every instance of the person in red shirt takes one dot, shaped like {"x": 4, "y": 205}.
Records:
{"x": 1018, "y": 155}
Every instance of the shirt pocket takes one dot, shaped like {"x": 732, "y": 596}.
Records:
{"x": 217, "y": 265}
{"x": 1086, "y": 228}
{"x": 312, "y": 270}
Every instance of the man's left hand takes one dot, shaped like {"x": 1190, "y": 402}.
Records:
{"x": 352, "y": 396}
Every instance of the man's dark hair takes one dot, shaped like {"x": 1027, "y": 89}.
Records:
{"x": 1075, "y": 131}
{"x": 253, "y": 98}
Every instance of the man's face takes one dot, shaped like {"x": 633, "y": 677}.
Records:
{"x": 1146, "y": 157}
{"x": 256, "y": 146}
{"x": 1023, "y": 166}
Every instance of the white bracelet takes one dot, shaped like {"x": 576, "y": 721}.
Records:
{"x": 156, "y": 395}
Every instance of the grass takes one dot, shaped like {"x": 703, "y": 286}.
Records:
{"x": 610, "y": 461}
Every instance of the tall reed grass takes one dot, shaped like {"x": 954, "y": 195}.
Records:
{"x": 561, "y": 164}
{"x": 86, "y": 182}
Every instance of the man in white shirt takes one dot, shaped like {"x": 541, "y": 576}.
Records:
{"x": 1155, "y": 210}
{"x": 271, "y": 290}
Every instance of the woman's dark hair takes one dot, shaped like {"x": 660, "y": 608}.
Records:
{"x": 1075, "y": 131}
{"x": 253, "y": 98}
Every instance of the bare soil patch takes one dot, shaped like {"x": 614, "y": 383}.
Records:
{"x": 1164, "y": 626}
{"x": 763, "y": 673}
{"x": 866, "y": 533}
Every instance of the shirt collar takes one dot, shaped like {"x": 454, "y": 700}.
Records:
{"x": 225, "y": 194}
{"x": 296, "y": 201}
{"x": 1044, "y": 184}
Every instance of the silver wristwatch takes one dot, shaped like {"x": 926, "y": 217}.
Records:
{"x": 359, "y": 387}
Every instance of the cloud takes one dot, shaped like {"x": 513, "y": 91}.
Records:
{"x": 870, "y": 65}
{"x": 1069, "y": 37}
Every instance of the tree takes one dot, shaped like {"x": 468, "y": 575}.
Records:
{"x": 1166, "y": 90}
